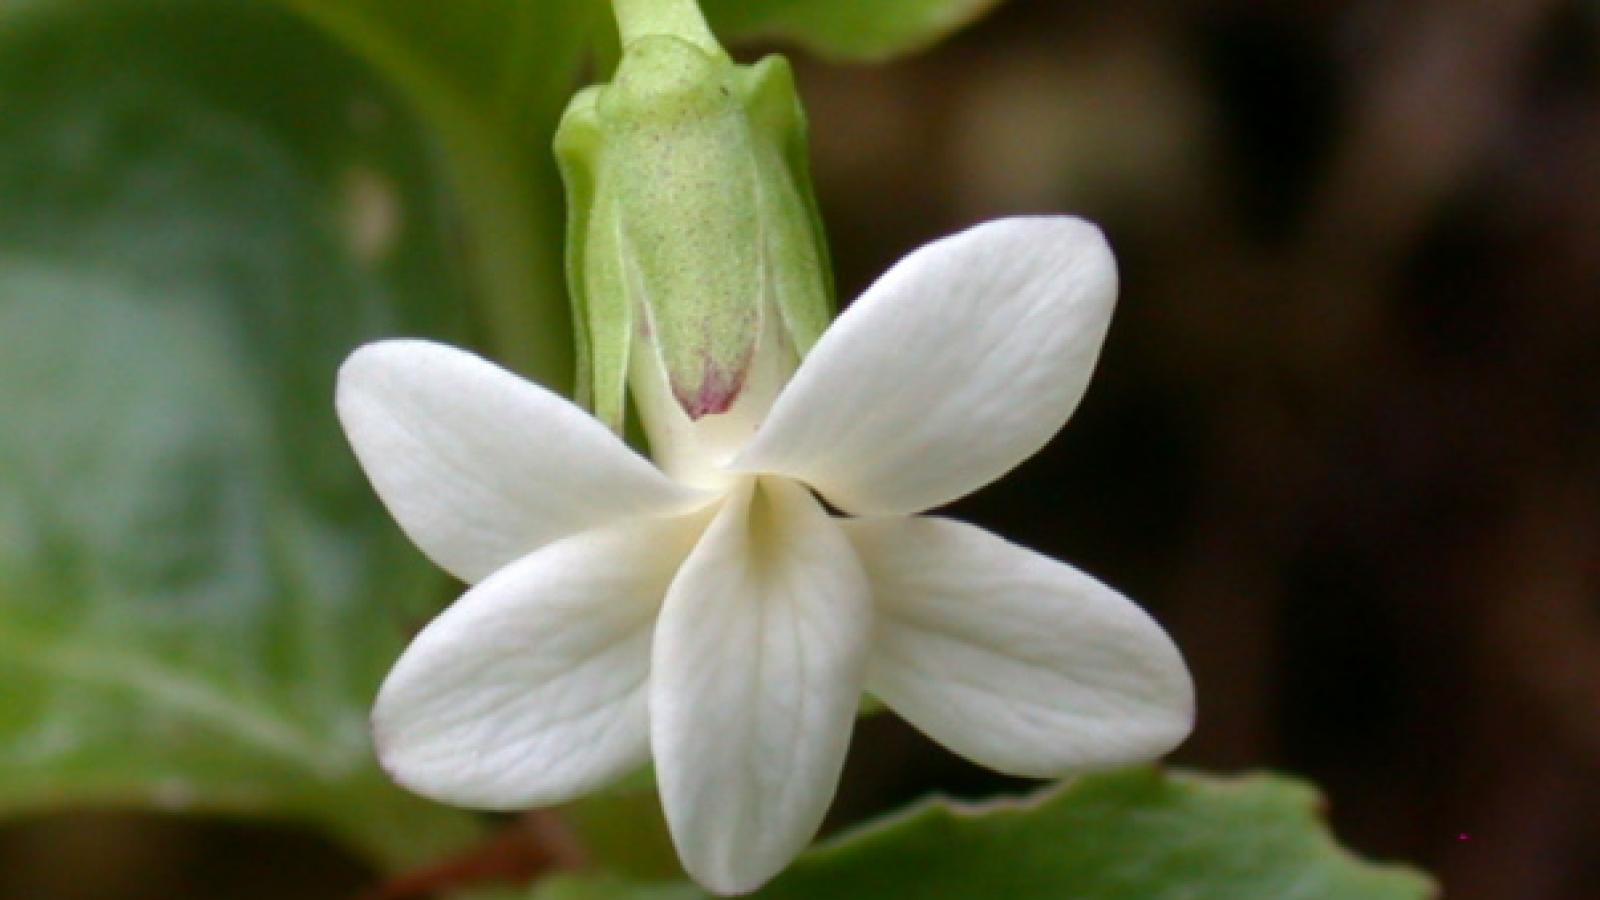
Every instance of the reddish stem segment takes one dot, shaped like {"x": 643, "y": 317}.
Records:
{"x": 536, "y": 844}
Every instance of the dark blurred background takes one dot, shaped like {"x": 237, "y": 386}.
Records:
{"x": 1345, "y": 436}
{"x": 1343, "y": 440}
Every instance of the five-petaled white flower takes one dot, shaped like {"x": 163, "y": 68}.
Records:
{"x": 712, "y": 615}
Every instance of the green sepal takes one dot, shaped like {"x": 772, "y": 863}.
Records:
{"x": 576, "y": 141}
{"x": 804, "y": 280}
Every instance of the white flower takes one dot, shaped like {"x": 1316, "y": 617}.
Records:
{"x": 721, "y": 621}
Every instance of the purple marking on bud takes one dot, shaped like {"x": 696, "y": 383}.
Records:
{"x": 717, "y": 390}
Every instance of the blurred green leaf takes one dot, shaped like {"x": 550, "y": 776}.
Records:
{"x": 623, "y": 825}
{"x": 1134, "y": 835}
{"x": 501, "y": 57}
{"x": 206, "y": 207}
{"x": 490, "y": 78}
{"x": 846, "y": 29}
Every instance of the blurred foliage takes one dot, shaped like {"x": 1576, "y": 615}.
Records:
{"x": 488, "y": 79}
{"x": 203, "y": 211}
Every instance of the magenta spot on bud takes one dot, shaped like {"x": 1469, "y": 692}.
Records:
{"x": 716, "y": 392}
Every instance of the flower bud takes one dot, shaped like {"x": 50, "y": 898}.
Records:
{"x": 695, "y": 255}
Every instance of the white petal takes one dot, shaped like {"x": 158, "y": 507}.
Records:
{"x": 531, "y": 689}
{"x": 955, "y": 366}
{"x": 480, "y": 466}
{"x": 1012, "y": 659}
{"x": 757, "y": 673}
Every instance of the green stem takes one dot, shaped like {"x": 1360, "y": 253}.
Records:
{"x": 680, "y": 18}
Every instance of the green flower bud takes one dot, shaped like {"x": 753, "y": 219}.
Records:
{"x": 695, "y": 255}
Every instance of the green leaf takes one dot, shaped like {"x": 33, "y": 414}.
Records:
{"x": 490, "y": 78}
{"x": 206, "y": 208}
{"x": 846, "y": 29}
{"x": 1136, "y": 835}
{"x": 1133, "y": 835}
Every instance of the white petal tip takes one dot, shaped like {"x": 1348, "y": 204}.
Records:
{"x": 1014, "y": 660}
{"x": 371, "y": 358}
